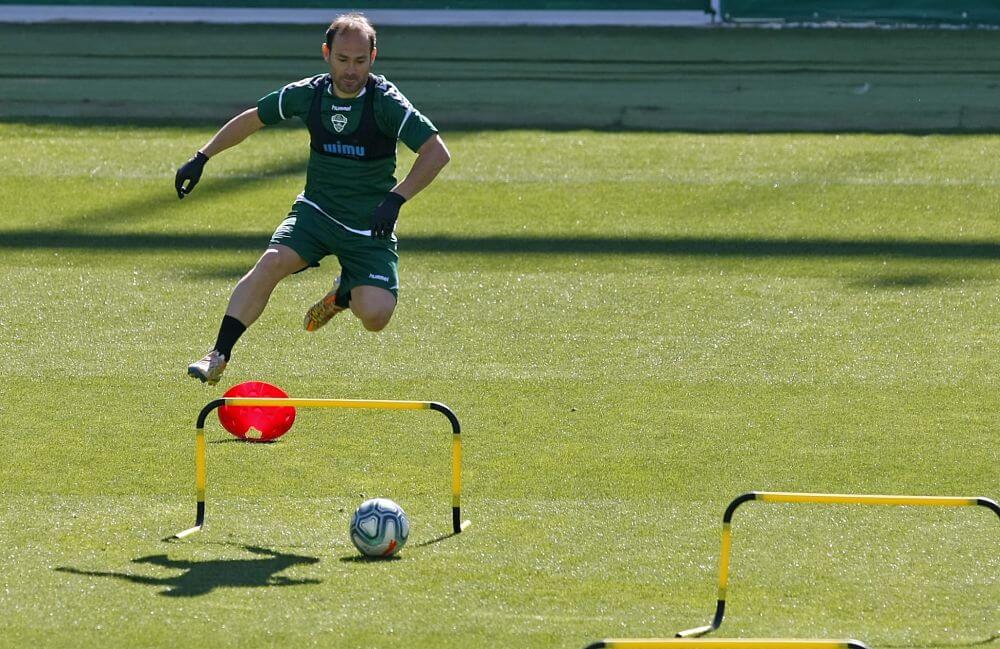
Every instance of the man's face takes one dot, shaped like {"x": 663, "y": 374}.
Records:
{"x": 350, "y": 61}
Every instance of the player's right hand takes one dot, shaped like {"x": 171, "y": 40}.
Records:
{"x": 191, "y": 173}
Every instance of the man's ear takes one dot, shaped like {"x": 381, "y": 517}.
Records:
{"x": 326, "y": 52}
{"x": 374, "y": 53}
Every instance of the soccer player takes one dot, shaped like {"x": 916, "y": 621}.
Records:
{"x": 351, "y": 199}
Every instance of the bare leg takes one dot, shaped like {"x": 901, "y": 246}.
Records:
{"x": 253, "y": 291}
{"x": 373, "y": 306}
{"x": 245, "y": 306}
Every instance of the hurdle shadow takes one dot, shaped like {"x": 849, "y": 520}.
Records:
{"x": 438, "y": 539}
{"x": 358, "y": 558}
{"x": 943, "y": 645}
{"x": 202, "y": 577}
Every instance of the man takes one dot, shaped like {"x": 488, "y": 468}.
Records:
{"x": 351, "y": 199}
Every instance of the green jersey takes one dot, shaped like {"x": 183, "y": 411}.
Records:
{"x": 352, "y": 158}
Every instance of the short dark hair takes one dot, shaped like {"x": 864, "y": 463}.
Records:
{"x": 353, "y": 22}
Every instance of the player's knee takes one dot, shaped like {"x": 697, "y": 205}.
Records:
{"x": 373, "y": 306}
{"x": 274, "y": 265}
{"x": 377, "y": 320}
{"x": 268, "y": 264}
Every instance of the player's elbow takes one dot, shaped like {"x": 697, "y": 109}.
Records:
{"x": 438, "y": 151}
{"x": 442, "y": 157}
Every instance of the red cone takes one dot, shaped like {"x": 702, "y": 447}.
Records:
{"x": 256, "y": 423}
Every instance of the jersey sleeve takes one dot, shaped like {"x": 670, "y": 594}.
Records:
{"x": 291, "y": 100}
{"x": 397, "y": 116}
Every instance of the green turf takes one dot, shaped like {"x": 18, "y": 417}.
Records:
{"x": 633, "y": 329}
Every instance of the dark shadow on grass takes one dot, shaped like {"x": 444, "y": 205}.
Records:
{"x": 973, "y": 643}
{"x": 904, "y": 281}
{"x": 706, "y": 246}
{"x": 360, "y": 558}
{"x": 232, "y": 544}
{"x": 753, "y": 247}
{"x": 893, "y": 282}
{"x": 213, "y": 272}
{"x": 144, "y": 207}
{"x": 202, "y": 577}
{"x": 438, "y": 539}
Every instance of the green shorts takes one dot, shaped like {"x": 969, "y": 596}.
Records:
{"x": 364, "y": 261}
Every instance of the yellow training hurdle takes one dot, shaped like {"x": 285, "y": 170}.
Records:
{"x": 456, "y": 445}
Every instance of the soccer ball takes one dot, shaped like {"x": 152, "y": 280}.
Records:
{"x": 379, "y": 528}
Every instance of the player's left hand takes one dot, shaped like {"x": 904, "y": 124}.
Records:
{"x": 384, "y": 219}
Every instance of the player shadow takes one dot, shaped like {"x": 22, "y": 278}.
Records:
{"x": 202, "y": 577}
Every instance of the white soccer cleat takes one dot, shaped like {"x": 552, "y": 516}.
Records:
{"x": 209, "y": 369}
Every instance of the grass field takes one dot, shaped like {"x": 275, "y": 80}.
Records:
{"x": 633, "y": 328}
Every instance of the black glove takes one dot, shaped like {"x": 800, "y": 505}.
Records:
{"x": 384, "y": 219}
{"x": 191, "y": 172}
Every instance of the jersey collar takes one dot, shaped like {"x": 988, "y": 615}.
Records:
{"x": 329, "y": 91}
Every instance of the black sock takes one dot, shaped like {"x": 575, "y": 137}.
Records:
{"x": 343, "y": 299}
{"x": 229, "y": 332}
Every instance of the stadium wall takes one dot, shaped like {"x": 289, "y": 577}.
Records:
{"x": 959, "y": 12}
{"x": 460, "y": 13}
{"x": 607, "y": 78}
{"x": 458, "y": 5}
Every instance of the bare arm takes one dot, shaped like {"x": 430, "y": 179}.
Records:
{"x": 431, "y": 159}
{"x": 235, "y": 131}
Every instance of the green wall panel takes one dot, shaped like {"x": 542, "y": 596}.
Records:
{"x": 607, "y": 78}
{"x": 904, "y": 11}
{"x": 496, "y": 5}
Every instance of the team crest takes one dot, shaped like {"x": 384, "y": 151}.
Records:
{"x": 339, "y": 122}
